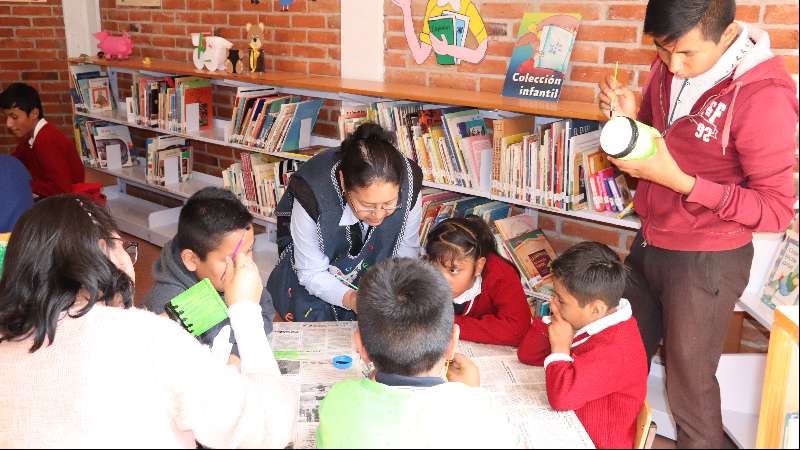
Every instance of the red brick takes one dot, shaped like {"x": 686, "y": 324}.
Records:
{"x": 748, "y": 13}
{"x": 453, "y": 81}
{"x": 227, "y": 5}
{"x": 308, "y": 21}
{"x": 493, "y": 85}
{"x": 198, "y": 5}
{"x": 578, "y": 93}
{"x": 173, "y": 4}
{"x": 591, "y": 232}
{"x": 323, "y": 37}
{"x": 34, "y": 32}
{"x": 214, "y": 19}
{"x": 323, "y": 6}
{"x": 290, "y": 36}
{"x": 17, "y": 21}
{"x": 782, "y": 38}
{"x": 587, "y": 12}
{"x": 583, "y": 52}
{"x": 626, "y": 12}
{"x": 308, "y": 51}
{"x": 324, "y": 68}
{"x": 40, "y": 75}
{"x": 593, "y": 74}
{"x": 22, "y": 11}
{"x": 395, "y": 59}
{"x": 784, "y": 14}
{"x": 503, "y": 10}
{"x": 405, "y": 76}
{"x": 629, "y": 56}
{"x": 500, "y": 48}
{"x": 290, "y": 65}
{"x": 277, "y": 20}
{"x": 606, "y": 33}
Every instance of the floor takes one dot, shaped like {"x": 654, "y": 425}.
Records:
{"x": 754, "y": 337}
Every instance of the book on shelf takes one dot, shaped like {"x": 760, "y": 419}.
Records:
{"x": 94, "y": 138}
{"x": 169, "y": 160}
{"x": 529, "y": 248}
{"x": 781, "y": 285}
{"x": 444, "y": 27}
{"x": 259, "y": 181}
{"x": 540, "y": 59}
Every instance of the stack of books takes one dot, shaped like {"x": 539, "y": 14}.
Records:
{"x": 96, "y": 140}
{"x": 259, "y": 181}
{"x": 91, "y": 91}
{"x": 169, "y": 160}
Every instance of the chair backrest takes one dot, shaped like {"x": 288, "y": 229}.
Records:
{"x": 645, "y": 428}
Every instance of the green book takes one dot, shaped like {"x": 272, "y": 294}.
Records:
{"x": 2, "y": 257}
{"x": 198, "y": 308}
{"x": 444, "y": 25}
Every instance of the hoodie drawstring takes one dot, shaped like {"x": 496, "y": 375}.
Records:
{"x": 726, "y": 130}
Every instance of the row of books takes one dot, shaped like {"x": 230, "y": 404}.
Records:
{"x": 181, "y": 103}
{"x": 259, "y": 181}
{"x": 99, "y": 142}
{"x": 91, "y": 90}
{"x": 169, "y": 160}
{"x": 273, "y": 122}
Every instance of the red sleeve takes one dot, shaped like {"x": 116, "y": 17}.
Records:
{"x": 535, "y": 347}
{"x": 766, "y": 153}
{"x": 592, "y": 375}
{"x": 511, "y": 315}
{"x": 55, "y": 177}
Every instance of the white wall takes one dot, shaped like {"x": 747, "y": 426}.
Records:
{"x": 81, "y": 21}
{"x": 362, "y": 39}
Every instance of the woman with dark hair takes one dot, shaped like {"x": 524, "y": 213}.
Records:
{"x": 78, "y": 372}
{"x": 344, "y": 211}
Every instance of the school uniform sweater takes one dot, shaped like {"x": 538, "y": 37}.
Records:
{"x": 52, "y": 161}
{"x": 604, "y": 379}
{"x": 500, "y": 314}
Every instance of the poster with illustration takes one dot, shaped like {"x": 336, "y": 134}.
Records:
{"x": 452, "y": 29}
{"x": 541, "y": 57}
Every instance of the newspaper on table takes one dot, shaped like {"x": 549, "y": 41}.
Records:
{"x": 304, "y": 352}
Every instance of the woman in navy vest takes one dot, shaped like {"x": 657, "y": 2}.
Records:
{"x": 344, "y": 211}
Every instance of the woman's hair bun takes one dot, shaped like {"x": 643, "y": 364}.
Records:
{"x": 372, "y": 131}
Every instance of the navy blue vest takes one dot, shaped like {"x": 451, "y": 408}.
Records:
{"x": 316, "y": 187}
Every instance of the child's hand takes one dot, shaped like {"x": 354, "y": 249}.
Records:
{"x": 559, "y": 331}
{"x": 243, "y": 280}
{"x": 350, "y": 301}
{"x": 463, "y": 370}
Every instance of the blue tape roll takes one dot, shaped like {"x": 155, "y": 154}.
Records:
{"x": 342, "y": 362}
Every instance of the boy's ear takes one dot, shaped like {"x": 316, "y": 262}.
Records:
{"x": 190, "y": 259}
{"x": 362, "y": 351}
{"x": 38, "y": 113}
{"x": 598, "y": 308}
{"x": 479, "y": 265}
{"x": 453, "y": 345}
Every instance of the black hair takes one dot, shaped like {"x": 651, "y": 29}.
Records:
{"x": 53, "y": 253}
{"x": 405, "y": 316}
{"x": 457, "y": 238}
{"x": 670, "y": 19}
{"x": 22, "y": 96}
{"x": 368, "y": 155}
{"x": 589, "y": 271}
{"x": 207, "y": 217}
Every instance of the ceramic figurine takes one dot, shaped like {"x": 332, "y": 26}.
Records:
{"x": 114, "y": 47}
{"x": 234, "y": 63}
{"x": 255, "y": 56}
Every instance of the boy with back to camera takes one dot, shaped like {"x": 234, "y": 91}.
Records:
{"x": 600, "y": 370}
{"x": 213, "y": 224}
{"x": 405, "y": 327}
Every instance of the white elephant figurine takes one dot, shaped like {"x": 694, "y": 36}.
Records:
{"x": 209, "y": 51}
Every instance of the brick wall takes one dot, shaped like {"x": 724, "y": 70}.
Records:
{"x": 33, "y": 50}
{"x": 304, "y": 39}
{"x": 610, "y": 31}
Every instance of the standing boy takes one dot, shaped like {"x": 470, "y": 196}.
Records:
{"x": 727, "y": 111}
{"x": 49, "y": 156}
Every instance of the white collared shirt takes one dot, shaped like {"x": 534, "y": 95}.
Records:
{"x": 39, "y": 125}
{"x": 685, "y": 92}
{"x": 311, "y": 263}
{"x": 622, "y": 313}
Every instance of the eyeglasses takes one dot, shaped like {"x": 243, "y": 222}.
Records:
{"x": 131, "y": 248}
{"x": 389, "y": 210}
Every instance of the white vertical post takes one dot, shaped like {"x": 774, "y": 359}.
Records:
{"x": 362, "y": 39}
{"x": 81, "y": 21}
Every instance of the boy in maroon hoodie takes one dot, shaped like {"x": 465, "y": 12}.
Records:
{"x": 591, "y": 350}
{"x": 49, "y": 156}
{"x": 727, "y": 111}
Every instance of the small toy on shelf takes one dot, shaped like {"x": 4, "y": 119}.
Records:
{"x": 255, "y": 54}
{"x": 209, "y": 51}
{"x": 114, "y": 47}
{"x": 234, "y": 63}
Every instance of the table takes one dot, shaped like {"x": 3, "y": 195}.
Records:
{"x": 304, "y": 352}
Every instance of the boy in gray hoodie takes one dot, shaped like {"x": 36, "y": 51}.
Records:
{"x": 213, "y": 225}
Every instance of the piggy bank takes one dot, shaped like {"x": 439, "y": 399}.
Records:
{"x": 114, "y": 47}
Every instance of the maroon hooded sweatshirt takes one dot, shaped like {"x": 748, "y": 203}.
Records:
{"x": 739, "y": 143}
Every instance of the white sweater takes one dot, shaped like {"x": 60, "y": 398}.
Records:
{"x": 129, "y": 378}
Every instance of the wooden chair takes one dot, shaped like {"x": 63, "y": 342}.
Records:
{"x": 645, "y": 428}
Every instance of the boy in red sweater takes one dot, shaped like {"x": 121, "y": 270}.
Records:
{"x": 49, "y": 156}
{"x": 600, "y": 370}
{"x": 489, "y": 303}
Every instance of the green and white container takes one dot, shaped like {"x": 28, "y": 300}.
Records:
{"x": 625, "y": 138}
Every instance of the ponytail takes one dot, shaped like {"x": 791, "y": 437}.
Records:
{"x": 369, "y": 155}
